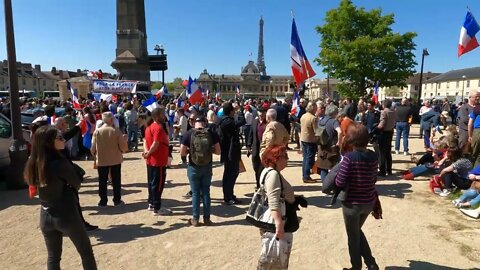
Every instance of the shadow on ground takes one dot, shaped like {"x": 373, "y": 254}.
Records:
{"x": 419, "y": 265}
{"x": 397, "y": 190}
{"x": 16, "y": 197}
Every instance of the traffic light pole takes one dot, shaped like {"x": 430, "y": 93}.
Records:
{"x": 18, "y": 148}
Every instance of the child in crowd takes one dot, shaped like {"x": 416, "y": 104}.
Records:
{"x": 471, "y": 197}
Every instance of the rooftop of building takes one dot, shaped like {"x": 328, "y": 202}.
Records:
{"x": 456, "y": 75}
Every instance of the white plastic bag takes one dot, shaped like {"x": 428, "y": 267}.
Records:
{"x": 275, "y": 253}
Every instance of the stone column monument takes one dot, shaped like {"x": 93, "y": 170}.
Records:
{"x": 131, "y": 62}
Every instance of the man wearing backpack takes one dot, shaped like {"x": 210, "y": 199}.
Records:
{"x": 200, "y": 143}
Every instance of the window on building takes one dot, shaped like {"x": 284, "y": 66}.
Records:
{"x": 466, "y": 94}
{"x": 456, "y": 94}
{"x": 458, "y": 84}
{"x": 468, "y": 83}
{"x": 431, "y": 94}
{"x": 448, "y": 85}
{"x": 416, "y": 87}
{"x": 478, "y": 83}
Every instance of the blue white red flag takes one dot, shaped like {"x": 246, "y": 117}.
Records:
{"x": 194, "y": 93}
{"x": 468, "y": 41}
{"x": 161, "y": 92}
{"x": 375, "y": 92}
{"x": 150, "y": 103}
{"x": 301, "y": 67}
{"x": 237, "y": 90}
{"x": 76, "y": 104}
{"x": 296, "y": 104}
{"x": 217, "y": 95}
{"x": 179, "y": 103}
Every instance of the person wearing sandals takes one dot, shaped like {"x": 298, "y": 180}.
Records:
{"x": 275, "y": 159}
{"x": 200, "y": 143}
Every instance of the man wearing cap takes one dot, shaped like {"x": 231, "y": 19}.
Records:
{"x": 229, "y": 132}
{"x": 200, "y": 175}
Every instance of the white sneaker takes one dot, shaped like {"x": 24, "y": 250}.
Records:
{"x": 445, "y": 193}
{"x": 405, "y": 153}
{"x": 397, "y": 152}
{"x": 456, "y": 203}
{"x": 150, "y": 207}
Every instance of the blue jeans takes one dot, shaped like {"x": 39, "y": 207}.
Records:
{"x": 309, "y": 151}
{"x": 323, "y": 174}
{"x": 132, "y": 132}
{"x": 473, "y": 195}
{"x": 200, "y": 178}
{"x": 403, "y": 128}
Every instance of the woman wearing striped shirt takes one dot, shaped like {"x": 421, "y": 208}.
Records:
{"x": 357, "y": 177}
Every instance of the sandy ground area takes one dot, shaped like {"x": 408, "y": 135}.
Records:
{"x": 419, "y": 229}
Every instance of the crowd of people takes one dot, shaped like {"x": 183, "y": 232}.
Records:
{"x": 332, "y": 137}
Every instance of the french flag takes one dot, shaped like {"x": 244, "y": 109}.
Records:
{"x": 161, "y": 92}
{"x": 194, "y": 93}
{"x": 375, "y": 92}
{"x": 301, "y": 68}
{"x": 150, "y": 104}
{"x": 238, "y": 91}
{"x": 217, "y": 95}
{"x": 76, "y": 104}
{"x": 468, "y": 41}
{"x": 179, "y": 103}
{"x": 296, "y": 104}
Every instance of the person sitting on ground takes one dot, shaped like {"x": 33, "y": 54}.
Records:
{"x": 471, "y": 197}
{"x": 457, "y": 173}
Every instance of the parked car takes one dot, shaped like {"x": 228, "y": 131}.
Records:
{"x": 6, "y": 137}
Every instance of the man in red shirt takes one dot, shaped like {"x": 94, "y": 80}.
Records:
{"x": 156, "y": 157}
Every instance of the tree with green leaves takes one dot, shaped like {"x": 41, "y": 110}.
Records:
{"x": 359, "y": 48}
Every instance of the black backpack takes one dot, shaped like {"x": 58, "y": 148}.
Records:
{"x": 201, "y": 147}
{"x": 322, "y": 134}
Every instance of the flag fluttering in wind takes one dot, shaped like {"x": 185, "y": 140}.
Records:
{"x": 301, "y": 67}
{"x": 150, "y": 103}
{"x": 237, "y": 90}
{"x": 296, "y": 104}
{"x": 161, "y": 92}
{"x": 194, "y": 93}
{"x": 468, "y": 41}
{"x": 76, "y": 104}
{"x": 375, "y": 92}
{"x": 217, "y": 95}
{"x": 179, "y": 103}
{"x": 105, "y": 97}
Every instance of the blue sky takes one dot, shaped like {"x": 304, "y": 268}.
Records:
{"x": 219, "y": 35}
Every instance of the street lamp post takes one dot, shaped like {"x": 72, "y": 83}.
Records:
{"x": 424, "y": 53}
{"x": 18, "y": 148}
{"x": 159, "y": 48}
{"x": 463, "y": 86}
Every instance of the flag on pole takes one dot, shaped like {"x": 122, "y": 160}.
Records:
{"x": 179, "y": 103}
{"x": 207, "y": 94}
{"x": 194, "y": 93}
{"x": 296, "y": 104}
{"x": 150, "y": 103}
{"x": 76, "y": 104}
{"x": 468, "y": 41}
{"x": 238, "y": 91}
{"x": 301, "y": 67}
{"x": 217, "y": 95}
{"x": 161, "y": 92}
{"x": 375, "y": 92}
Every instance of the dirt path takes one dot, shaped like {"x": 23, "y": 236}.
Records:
{"x": 419, "y": 229}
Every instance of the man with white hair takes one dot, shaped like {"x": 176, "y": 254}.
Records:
{"x": 275, "y": 132}
{"x": 108, "y": 146}
{"x": 404, "y": 114}
{"x": 308, "y": 124}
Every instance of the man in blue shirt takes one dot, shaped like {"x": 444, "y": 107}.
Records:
{"x": 474, "y": 133}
